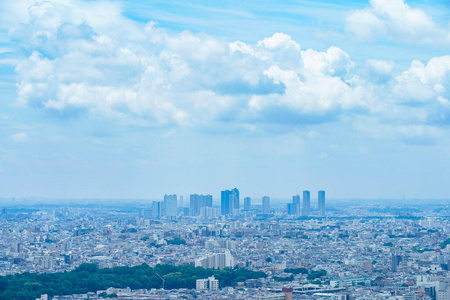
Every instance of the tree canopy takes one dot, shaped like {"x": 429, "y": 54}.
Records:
{"x": 89, "y": 278}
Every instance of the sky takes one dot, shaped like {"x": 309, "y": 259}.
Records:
{"x": 134, "y": 99}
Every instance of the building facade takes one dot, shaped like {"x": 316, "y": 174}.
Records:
{"x": 321, "y": 197}
{"x": 229, "y": 201}
{"x": 170, "y": 205}
{"x": 306, "y": 203}
{"x": 266, "y": 205}
{"x": 247, "y": 203}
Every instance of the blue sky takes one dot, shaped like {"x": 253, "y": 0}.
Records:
{"x": 125, "y": 99}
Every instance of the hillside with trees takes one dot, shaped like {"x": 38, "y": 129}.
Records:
{"x": 89, "y": 278}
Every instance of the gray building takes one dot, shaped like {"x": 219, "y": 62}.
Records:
{"x": 306, "y": 203}
{"x": 247, "y": 203}
{"x": 321, "y": 197}
{"x": 197, "y": 202}
{"x": 170, "y": 205}
{"x": 157, "y": 209}
{"x": 296, "y": 201}
{"x": 229, "y": 201}
{"x": 266, "y": 205}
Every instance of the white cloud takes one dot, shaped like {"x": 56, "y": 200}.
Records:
{"x": 424, "y": 83}
{"x": 279, "y": 40}
{"x": 395, "y": 20}
{"x": 76, "y": 64}
{"x": 19, "y": 137}
{"x": 143, "y": 74}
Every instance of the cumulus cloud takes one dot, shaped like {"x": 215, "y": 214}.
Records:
{"x": 142, "y": 74}
{"x": 76, "y": 65}
{"x": 424, "y": 83}
{"x": 395, "y": 20}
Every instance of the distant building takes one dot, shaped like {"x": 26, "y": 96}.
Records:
{"x": 350, "y": 281}
{"x": 296, "y": 201}
{"x": 216, "y": 261}
{"x": 253, "y": 283}
{"x": 368, "y": 266}
{"x": 306, "y": 203}
{"x": 207, "y": 212}
{"x": 321, "y": 197}
{"x": 266, "y": 205}
{"x": 247, "y": 203}
{"x": 186, "y": 211}
{"x": 236, "y": 198}
{"x": 395, "y": 261}
{"x": 211, "y": 284}
{"x": 197, "y": 202}
{"x": 170, "y": 205}
{"x": 16, "y": 247}
{"x": 272, "y": 296}
{"x": 229, "y": 201}
{"x": 157, "y": 209}
{"x": 292, "y": 209}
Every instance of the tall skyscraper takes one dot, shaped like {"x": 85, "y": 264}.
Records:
{"x": 158, "y": 209}
{"x": 170, "y": 205}
{"x": 321, "y": 197}
{"x": 296, "y": 201}
{"x": 236, "y": 198}
{"x": 292, "y": 208}
{"x": 247, "y": 203}
{"x": 229, "y": 201}
{"x": 306, "y": 203}
{"x": 395, "y": 261}
{"x": 266, "y": 205}
{"x": 197, "y": 202}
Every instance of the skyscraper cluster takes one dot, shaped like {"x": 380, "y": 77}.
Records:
{"x": 294, "y": 207}
{"x": 229, "y": 201}
{"x": 202, "y": 205}
{"x": 197, "y": 202}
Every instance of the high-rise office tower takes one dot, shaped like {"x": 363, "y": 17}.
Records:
{"x": 321, "y": 203}
{"x": 229, "y": 200}
{"x": 194, "y": 207}
{"x": 296, "y": 201}
{"x": 247, "y": 203}
{"x": 181, "y": 202}
{"x": 395, "y": 261}
{"x": 306, "y": 203}
{"x": 170, "y": 205}
{"x": 197, "y": 202}
{"x": 292, "y": 208}
{"x": 266, "y": 205}
{"x": 225, "y": 204}
{"x": 236, "y": 198}
{"x": 157, "y": 209}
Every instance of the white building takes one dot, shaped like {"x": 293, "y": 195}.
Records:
{"x": 211, "y": 284}
{"x": 170, "y": 205}
{"x": 216, "y": 261}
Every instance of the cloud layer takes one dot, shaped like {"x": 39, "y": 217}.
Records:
{"x": 142, "y": 74}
